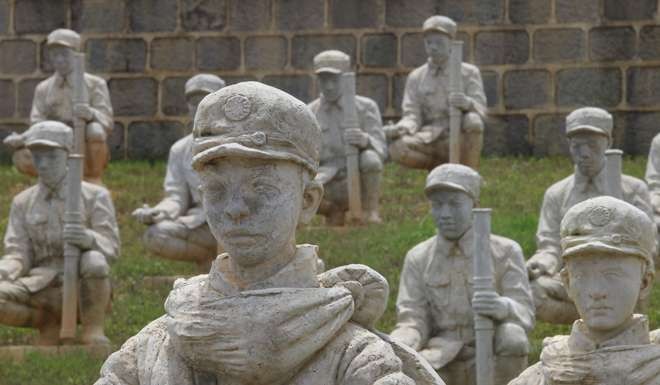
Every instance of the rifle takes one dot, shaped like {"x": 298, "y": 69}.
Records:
{"x": 455, "y": 114}
{"x": 484, "y": 330}
{"x": 350, "y": 120}
{"x": 73, "y": 210}
{"x": 613, "y": 172}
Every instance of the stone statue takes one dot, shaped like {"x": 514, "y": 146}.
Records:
{"x": 177, "y": 225}
{"x": 31, "y": 269}
{"x": 589, "y": 133}
{"x": 653, "y": 177}
{"x": 607, "y": 247}
{"x": 437, "y": 301}
{"x": 52, "y": 101}
{"x": 262, "y": 315}
{"x": 421, "y": 138}
{"x": 369, "y": 138}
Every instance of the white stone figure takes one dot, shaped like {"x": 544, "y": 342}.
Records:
{"x": 436, "y": 298}
{"x": 262, "y": 315}
{"x": 589, "y": 133}
{"x": 31, "y": 269}
{"x": 653, "y": 177}
{"x": 607, "y": 247}
{"x": 177, "y": 224}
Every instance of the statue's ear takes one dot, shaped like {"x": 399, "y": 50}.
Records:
{"x": 311, "y": 200}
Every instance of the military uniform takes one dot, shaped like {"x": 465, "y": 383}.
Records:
{"x": 425, "y": 111}
{"x": 436, "y": 291}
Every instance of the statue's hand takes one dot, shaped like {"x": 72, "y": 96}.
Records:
{"x": 148, "y": 215}
{"x": 407, "y": 336}
{"x": 14, "y": 140}
{"x": 356, "y": 137}
{"x": 83, "y": 111}
{"x": 460, "y": 101}
{"x": 393, "y": 131}
{"x": 537, "y": 268}
{"x": 490, "y": 304}
{"x": 78, "y": 235}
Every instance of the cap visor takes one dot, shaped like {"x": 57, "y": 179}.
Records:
{"x": 586, "y": 128}
{"x": 331, "y": 70}
{"x": 446, "y": 186}
{"x": 241, "y": 151}
{"x": 437, "y": 29}
{"x": 604, "y": 248}
{"x": 43, "y": 142}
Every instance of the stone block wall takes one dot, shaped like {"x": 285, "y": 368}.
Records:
{"x": 539, "y": 59}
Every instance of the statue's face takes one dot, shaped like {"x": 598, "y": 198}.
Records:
{"x": 438, "y": 46}
{"x": 330, "y": 85}
{"x": 61, "y": 58}
{"x": 50, "y": 163}
{"x": 193, "y": 101}
{"x": 605, "y": 288}
{"x": 452, "y": 212}
{"x": 252, "y": 206}
{"x": 588, "y": 152}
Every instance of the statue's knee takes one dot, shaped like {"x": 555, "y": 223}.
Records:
{"x": 95, "y": 132}
{"x": 94, "y": 265}
{"x": 511, "y": 340}
{"x": 473, "y": 123}
{"x": 370, "y": 161}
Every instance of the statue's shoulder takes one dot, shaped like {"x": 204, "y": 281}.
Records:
{"x": 560, "y": 187}
{"x": 91, "y": 79}
{"x": 634, "y": 182}
{"x": 533, "y": 375}
{"x": 23, "y": 197}
{"x": 91, "y": 190}
{"x": 504, "y": 244}
{"x": 422, "y": 250}
{"x": 182, "y": 144}
{"x": 418, "y": 72}
{"x": 469, "y": 69}
{"x": 314, "y": 104}
{"x": 365, "y": 103}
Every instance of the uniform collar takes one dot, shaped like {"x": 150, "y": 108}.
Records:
{"x": 465, "y": 243}
{"x": 327, "y": 104}
{"x": 637, "y": 333}
{"x": 438, "y": 69}
{"x": 599, "y": 181}
{"x": 62, "y": 81}
{"x": 45, "y": 193}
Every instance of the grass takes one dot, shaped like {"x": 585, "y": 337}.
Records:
{"x": 514, "y": 189}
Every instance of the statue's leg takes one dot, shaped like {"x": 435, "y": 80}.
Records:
{"x": 472, "y": 139}
{"x": 335, "y": 201}
{"x": 407, "y": 151}
{"x": 552, "y": 302}
{"x": 94, "y": 296}
{"x": 19, "y": 307}
{"x": 459, "y": 371}
{"x": 371, "y": 171}
{"x": 173, "y": 240}
{"x": 96, "y": 153}
{"x": 511, "y": 347}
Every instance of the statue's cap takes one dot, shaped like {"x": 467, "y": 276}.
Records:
{"x": 441, "y": 24}
{"x": 65, "y": 37}
{"x": 50, "y": 133}
{"x": 204, "y": 83}
{"x": 589, "y": 119}
{"x": 254, "y": 120}
{"x": 454, "y": 176}
{"x": 332, "y": 61}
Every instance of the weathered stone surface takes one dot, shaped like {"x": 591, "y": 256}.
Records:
{"x": 218, "y": 53}
{"x": 398, "y": 88}
{"x": 18, "y": 57}
{"x": 153, "y": 139}
{"x": 507, "y": 134}
{"x": 526, "y": 89}
{"x": 529, "y": 11}
{"x": 569, "y": 11}
{"x": 598, "y": 87}
{"x": 630, "y": 10}
{"x": 491, "y": 87}
{"x": 304, "y": 48}
{"x": 98, "y": 16}
{"x": 299, "y": 86}
{"x": 502, "y": 47}
{"x": 413, "y": 53}
{"x": 399, "y": 13}
{"x": 116, "y": 142}
{"x": 39, "y": 16}
{"x": 612, "y": 43}
{"x": 640, "y": 128}
{"x": 249, "y": 15}
{"x": 649, "y": 42}
{"x": 205, "y": 15}
{"x": 643, "y": 83}
{"x": 152, "y": 15}
{"x": 355, "y": 14}
{"x": 116, "y": 55}
{"x": 374, "y": 86}
{"x": 25, "y": 95}
{"x": 550, "y": 135}
{"x": 295, "y": 15}
{"x": 474, "y": 11}
{"x": 173, "y": 53}
{"x": 4, "y": 16}
{"x": 134, "y": 96}
{"x": 8, "y": 98}
{"x": 173, "y": 100}
{"x": 559, "y": 45}
{"x": 379, "y": 50}
{"x": 266, "y": 52}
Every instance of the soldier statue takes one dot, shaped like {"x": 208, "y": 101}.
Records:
{"x": 421, "y": 138}
{"x": 589, "y": 133}
{"x": 368, "y": 137}
{"x": 177, "y": 225}
{"x": 31, "y": 270}
{"x": 53, "y": 101}
{"x": 437, "y": 301}
{"x": 653, "y": 177}
{"x": 608, "y": 247}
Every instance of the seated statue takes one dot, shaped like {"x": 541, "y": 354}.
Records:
{"x": 589, "y": 133}
{"x": 437, "y": 301}
{"x": 52, "y": 101}
{"x": 262, "y": 315}
{"x": 607, "y": 248}
{"x": 369, "y": 138}
{"x": 31, "y": 270}
{"x": 421, "y": 138}
{"x": 177, "y": 225}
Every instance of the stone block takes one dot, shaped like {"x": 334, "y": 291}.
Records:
{"x": 413, "y": 53}
{"x": 39, "y": 16}
{"x": 8, "y": 98}
{"x": 304, "y": 48}
{"x": 134, "y": 96}
{"x": 649, "y": 42}
{"x": 400, "y": 13}
{"x": 266, "y": 52}
{"x": 296, "y": 15}
{"x": 612, "y": 43}
{"x": 374, "y": 86}
{"x": 355, "y": 14}
{"x": 204, "y": 15}
{"x": 570, "y": 11}
{"x": 4, "y": 16}
{"x": 550, "y": 135}
{"x": 172, "y": 53}
{"x": 26, "y": 89}
{"x": 44, "y": 64}
{"x": 98, "y": 16}
{"x": 152, "y": 140}
{"x": 640, "y": 128}
{"x": 218, "y": 53}
{"x": 630, "y": 10}
{"x": 116, "y": 55}
{"x": 473, "y": 11}
{"x": 507, "y": 135}
{"x": 502, "y": 47}
{"x": 299, "y": 86}
{"x": 398, "y": 88}
{"x": 379, "y": 50}
{"x": 250, "y": 15}
{"x": 18, "y": 56}
{"x": 598, "y": 87}
{"x": 529, "y": 11}
{"x": 116, "y": 141}
{"x": 559, "y": 45}
{"x": 173, "y": 98}
{"x": 643, "y": 84}
{"x": 152, "y": 15}
{"x": 526, "y": 89}
{"x": 491, "y": 87}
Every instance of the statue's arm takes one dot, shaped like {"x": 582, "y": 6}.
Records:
{"x": 38, "y": 113}
{"x": 516, "y": 291}
{"x": 474, "y": 89}
{"x": 104, "y": 227}
{"x": 411, "y": 105}
{"x": 653, "y": 173}
{"x": 99, "y": 102}
{"x": 372, "y": 124}
{"x": 177, "y": 197}
{"x": 17, "y": 260}
{"x": 548, "y": 245}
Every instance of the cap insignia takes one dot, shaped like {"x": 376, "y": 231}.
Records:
{"x": 237, "y": 107}
{"x": 600, "y": 216}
